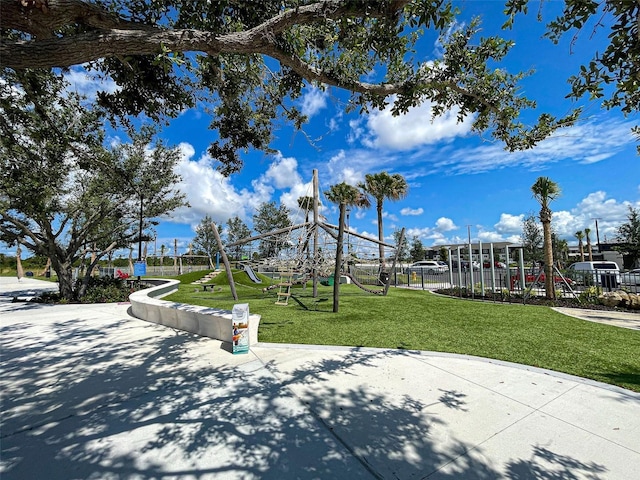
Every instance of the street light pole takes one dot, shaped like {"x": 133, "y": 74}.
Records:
{"x": 597, "y": 233}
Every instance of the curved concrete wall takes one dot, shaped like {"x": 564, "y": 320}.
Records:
{"x": 209, "y": 322}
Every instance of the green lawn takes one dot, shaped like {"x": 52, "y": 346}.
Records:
{"x": 417, "y": 320}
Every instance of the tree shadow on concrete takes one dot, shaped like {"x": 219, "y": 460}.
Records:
{"x": 127, "y": 399}
{"x": 547, "y": 465}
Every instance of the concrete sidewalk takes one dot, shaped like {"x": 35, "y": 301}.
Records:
{"x": 90, "y": 392}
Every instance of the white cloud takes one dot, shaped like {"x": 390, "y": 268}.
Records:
{"x": 444, "y": 224}
{"x": 283, "y": 172}
{"x": 585, "y": 143}
{"x": 84, "y": 84}
{"x": 418, "y": 232}
{"x": 610, "y": 213}
{"x": 390, "y": 216}
{"x": 313, "y": 101}
{"x": 208, "y": 191}
{"x": 509, "y": 224}
{"x": 415, "y": 128}
{"x": 411, "y": 211}
{"x": 290, "y": 200}
{"x": 490, "y": 237}
{"x": 351, "y": 166}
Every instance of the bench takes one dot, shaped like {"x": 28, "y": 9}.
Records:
{"x": 208, "y": 286}
{"x": 208, "y": 322}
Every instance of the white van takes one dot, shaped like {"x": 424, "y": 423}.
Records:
{"x": 605, "y": 274}
{"x": 427, "y": 266}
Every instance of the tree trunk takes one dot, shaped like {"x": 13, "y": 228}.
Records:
{"x": 380, "y": 235}
{"x": 549, "y": 285}
{"x": 336, "y": 274}
{"x": 64, "y": 271}
{"x": 225, "y": 260}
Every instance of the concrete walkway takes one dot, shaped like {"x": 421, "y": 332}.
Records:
{"x": 608, "y": 317}
{"x": 89, "y": 392}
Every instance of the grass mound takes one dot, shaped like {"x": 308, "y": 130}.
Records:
{"x": 240, "y": 277}
{"x": 191, "y": 277}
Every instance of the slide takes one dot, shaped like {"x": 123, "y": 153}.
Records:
{"x": 252, "y": 275}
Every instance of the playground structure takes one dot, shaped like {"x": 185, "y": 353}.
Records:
{"x": 308, "y": 251}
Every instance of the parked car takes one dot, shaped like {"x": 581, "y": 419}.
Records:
{"x": 427, "y": 266}
{"x": 632, "y": 277}
{"x": 530, "y": 280}
{"x": 595, "y": 273}
{"x": 495, "y": 265}
{"x": 465, "y": 265}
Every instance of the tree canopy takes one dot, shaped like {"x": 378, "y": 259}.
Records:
{"x": 246, "y": 61}
{"x": 545, "y": 191}
{"x": 382, "y": 186}
{"x": 205, "y": 242}
{"x": 62, "y": 192}
{"x": 629, "y": 237}
{"x": 269, "y": 217}
{"x": 237, "y": 230}
{"x": 532, "y": 238}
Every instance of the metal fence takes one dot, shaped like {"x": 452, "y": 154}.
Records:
{"x": 508, "y": 281}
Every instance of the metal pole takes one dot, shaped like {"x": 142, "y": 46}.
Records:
{"x": 507, "y": 258}
{"x": 481, "y": 255}
{"x": 459, "y": 271}
{"x": 597, "y": 234}
{"x": 470, "y": 263}
{"x": 493, "y": 271}
{"x": 523, "y": 277}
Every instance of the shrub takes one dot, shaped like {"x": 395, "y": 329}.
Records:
{"x": 105, "y": 290}
{"x": 590, "y": 295}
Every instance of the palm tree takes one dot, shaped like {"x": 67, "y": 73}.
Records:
{"x": 163, "y": 250}
{"x": 305, "y": 203}
{"x": 587, "y": 231}
{"x": 383, "y": 186}
{"x": 579, "y": 235}
{"x": 544, "y": 191}
{"x": 563, "y": 250}
{"x": 343, "y": 195}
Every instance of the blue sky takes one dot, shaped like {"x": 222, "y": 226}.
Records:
{"x": 457, "y": 179}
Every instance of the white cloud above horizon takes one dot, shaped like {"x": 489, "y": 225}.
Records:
{"x": 416, "y": 128}
{"x": 84, "y": 84}
{"x": 313, "y": 101}
{"x": 586, "y": 143}
{"x": 592, "y": 141}
{"x": 412, "y": 211}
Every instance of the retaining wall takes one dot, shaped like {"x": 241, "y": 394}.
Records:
{"x": 209, "y": 322}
